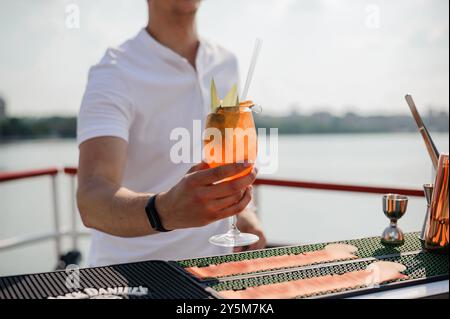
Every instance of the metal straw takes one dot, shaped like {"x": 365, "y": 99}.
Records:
{"x": 431, "y": 147}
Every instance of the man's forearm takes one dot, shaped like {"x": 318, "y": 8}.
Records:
{"x": 114, "y": 210}
{"x": 195, "y": 201}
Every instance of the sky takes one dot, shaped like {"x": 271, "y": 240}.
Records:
{"x": 335, "y": 55}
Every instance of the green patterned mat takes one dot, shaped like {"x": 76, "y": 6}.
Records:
{"x": 419, "y": 266}
{"x": 367, "y": 247}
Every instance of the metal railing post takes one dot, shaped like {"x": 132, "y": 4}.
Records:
{"x": 56, "y": 224}
{"x": 74, "y": 214}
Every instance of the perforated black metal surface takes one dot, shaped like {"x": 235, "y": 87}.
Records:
{"x": 162, "y": 281}
{"x": 168, "y": 280}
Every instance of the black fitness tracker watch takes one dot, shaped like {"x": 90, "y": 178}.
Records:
{"x": 153, "y": 215}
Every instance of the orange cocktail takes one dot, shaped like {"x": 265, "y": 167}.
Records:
{"x": 230, "y": 137}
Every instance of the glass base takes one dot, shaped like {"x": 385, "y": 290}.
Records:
{"x": 393, "y": 236}
{"x": 234, "y": 238}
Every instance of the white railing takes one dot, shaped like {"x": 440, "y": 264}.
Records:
{"x": 58, "y": 233}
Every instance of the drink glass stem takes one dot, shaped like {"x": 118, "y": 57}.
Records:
{"x": 234, "y": 228}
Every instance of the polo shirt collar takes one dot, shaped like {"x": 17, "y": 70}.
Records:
{"x": 166, "y": 53}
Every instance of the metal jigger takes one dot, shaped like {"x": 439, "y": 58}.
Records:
{"x": 394, "y": 207}
{"x": 428, "y": 190}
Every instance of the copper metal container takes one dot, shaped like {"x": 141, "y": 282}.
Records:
{"x": 437, "y": 233}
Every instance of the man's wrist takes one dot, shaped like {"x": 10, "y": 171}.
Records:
{"x": 154, "y": 216}
{"x": 163, "y": 212}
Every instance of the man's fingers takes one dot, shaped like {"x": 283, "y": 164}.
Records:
{"x": 238, "y": 207}
{"x": 213, "y": 175}
{"x": 198, "y": 167}
{"x": 229, "y": 188}
{"x": 222, "y": 203}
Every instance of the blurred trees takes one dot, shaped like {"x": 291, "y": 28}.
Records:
{"x": 30, "y": 128}
{"x": 12, "y": 128}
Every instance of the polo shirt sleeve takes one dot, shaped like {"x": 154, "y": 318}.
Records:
{"x": 106, "y": 108}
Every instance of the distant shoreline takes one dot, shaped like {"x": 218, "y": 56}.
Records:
{"x": 321, "y": 123}
{"x": 73, "y": 139}
{"x": 36, "y": 139}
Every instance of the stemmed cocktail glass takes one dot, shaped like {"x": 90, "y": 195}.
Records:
{"x": 230, "y": 137}
{"x": 237, "y": 143}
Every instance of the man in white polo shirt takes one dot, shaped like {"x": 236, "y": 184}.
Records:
{"x": 138, "y": 93}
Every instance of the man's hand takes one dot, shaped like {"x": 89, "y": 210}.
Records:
{"x": 197, "y": 200}
{"x": 248, "y": 222}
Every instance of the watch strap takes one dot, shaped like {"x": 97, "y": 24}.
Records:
{"x": 153, "y": 215}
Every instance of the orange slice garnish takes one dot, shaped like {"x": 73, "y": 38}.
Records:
{"x": 247, "y": 104}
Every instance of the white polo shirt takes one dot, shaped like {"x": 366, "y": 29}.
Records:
{"x": 140, "y": 92}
